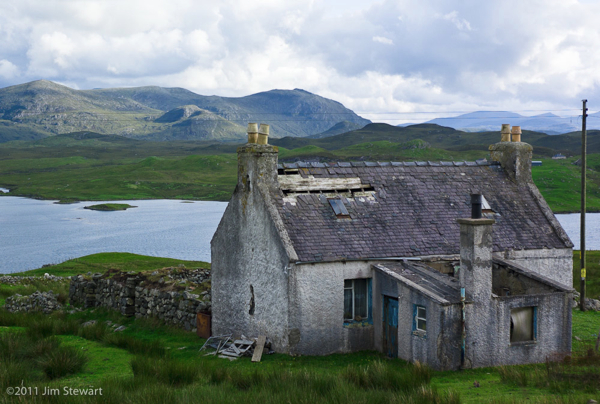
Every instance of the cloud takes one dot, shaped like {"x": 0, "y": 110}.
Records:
{"x": 383, "y": 40}
{"x": 460, "y": 23}
{"x": 8, "y": 70}
{"x": 451, "y": 55}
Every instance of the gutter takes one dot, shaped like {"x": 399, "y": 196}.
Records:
{"x": 362, "y": 259}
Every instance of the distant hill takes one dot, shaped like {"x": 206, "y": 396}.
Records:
{"x": 42, "y": 108}
{"x": 482, "y": 121}
{"x": 447, "y": 138}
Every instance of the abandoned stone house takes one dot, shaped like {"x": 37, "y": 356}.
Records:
{"x": 325, "y": 258}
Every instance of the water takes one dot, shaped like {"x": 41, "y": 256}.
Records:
{"x": 6, "y": 190}
{"x": 34, "y": 232}
{"x": 571, "y": 222}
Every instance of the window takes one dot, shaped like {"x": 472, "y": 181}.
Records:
{"x": 357, "y": 300}
{"x": 523, "y": 324}
{"x": 420, "y": 323}
{"x": 339, "y": 208}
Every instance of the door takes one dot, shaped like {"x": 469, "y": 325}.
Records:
{"x": 390, "y": 326}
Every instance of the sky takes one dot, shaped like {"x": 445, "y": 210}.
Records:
{"x": 389, "y": 61}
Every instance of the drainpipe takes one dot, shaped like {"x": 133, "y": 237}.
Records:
{"x": 464, "y": 330}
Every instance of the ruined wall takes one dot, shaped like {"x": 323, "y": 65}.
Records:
{"x": 317, "y": 309}
{"x": 553, "y": 329}
{"x": 556, "y": 264}
{"x": 127, "y": 297}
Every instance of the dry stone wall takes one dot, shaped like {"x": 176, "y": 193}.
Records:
{"x": 132, "y": 294}
{"x": 45, "y": 302}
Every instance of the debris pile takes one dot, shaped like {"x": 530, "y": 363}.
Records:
{"x": 226, "y": 347}
{"x": 45, "y": 302}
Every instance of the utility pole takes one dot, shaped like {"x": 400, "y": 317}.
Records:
{"x": 583, "y": 208}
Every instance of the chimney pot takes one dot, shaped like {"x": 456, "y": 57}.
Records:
{"x": 263, "y": 134}
{"x": 476, "y": 202}
{"x": 505, "y": 133}
{"x": 516, "y": 133}
{"x": 252, "y": 133}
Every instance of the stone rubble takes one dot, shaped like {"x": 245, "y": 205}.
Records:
{"x": 14, "y": 280}
{"x": 45, "y": 302}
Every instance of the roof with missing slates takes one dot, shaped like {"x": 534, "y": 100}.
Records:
{"x": 405, "y": 209}
{"x": 442, "y": 288}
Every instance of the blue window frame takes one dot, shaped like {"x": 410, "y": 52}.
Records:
{"x": 357, "y": 300}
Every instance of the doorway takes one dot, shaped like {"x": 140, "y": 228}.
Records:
{"x": 390, "y": 326}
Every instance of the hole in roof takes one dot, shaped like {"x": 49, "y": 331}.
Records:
{"x": 485, "y": 206}
{"x": 338, "y": 207}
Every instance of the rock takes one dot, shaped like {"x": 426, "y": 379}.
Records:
{"x": 121, "y": 328}
{"x": 577, "y": 338}
{"x": 89, "y": 323}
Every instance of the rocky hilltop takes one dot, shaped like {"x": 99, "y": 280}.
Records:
{"x": 43, "y": 108}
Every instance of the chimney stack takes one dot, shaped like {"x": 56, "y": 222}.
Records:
{"x": 475, "y": 279}
{"x": 515, "y": 156}
{"x": 257, "y": 160}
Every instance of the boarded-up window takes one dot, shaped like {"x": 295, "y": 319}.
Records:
{"x": 523, "y": 324}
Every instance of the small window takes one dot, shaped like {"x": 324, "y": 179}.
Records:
{"x": 338, "y": 207}
{"x": 356, "y": 299}
{"x": 523, "y": 324}
{"x": 420, "y": 323}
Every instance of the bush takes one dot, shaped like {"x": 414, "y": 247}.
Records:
{"x": 62, "y": 361}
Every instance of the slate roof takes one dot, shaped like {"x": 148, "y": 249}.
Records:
{"x": 417, "y": 276}
{"x": 413, "y": 212}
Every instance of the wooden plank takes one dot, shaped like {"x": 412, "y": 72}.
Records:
{"x": 258, "y": 349}
{"x": 243, "y": 342}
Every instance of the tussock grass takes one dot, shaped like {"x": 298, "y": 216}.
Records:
{"x": 27, "y": 357}
{"x": 577, "y": 373}
{"x": 62, "y": 361}
{"x": 153, "y": 348}
{"x": 165, "y": 371}
{"x": 379, "y": 376}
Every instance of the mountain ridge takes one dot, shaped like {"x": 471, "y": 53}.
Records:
{"x": 44, "y": 108}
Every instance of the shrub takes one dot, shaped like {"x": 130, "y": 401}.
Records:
{"x": 62, "y": 361}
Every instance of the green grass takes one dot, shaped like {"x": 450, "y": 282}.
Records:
{"x": 102, "y": 262}
{"x": 559, "y": 181}
{"x": 109, "y": 207}
{"x": 593, "y": 273}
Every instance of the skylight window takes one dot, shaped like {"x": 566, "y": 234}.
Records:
{"x": 338, "y": 207}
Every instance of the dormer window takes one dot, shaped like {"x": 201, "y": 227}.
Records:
{"x": 338, "y": 207}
